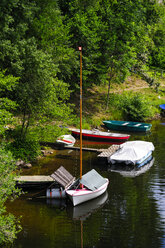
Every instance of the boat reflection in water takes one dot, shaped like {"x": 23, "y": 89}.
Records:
{"x": 83, "y": 211}
{"x": 132, "y": 171}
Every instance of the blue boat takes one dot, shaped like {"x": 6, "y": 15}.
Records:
{"x": 127, "y": 126}
{"x": 162, "y": 106}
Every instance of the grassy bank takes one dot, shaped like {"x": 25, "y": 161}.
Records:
{"x": 95, "y": 100}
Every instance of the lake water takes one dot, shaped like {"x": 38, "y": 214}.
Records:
{"x": 130, "y": 214}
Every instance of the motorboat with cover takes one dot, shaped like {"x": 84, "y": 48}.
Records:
{"x": 132, "y": 152}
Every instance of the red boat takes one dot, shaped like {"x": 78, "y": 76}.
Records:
{"x": 99, "y": 135}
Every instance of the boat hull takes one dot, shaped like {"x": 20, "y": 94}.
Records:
{"x": 102, "y": 136}
{"x": 137, "y": 163}
{"x": 127, "y": 126}
{"x": 66, "y": 140}
{"x": 83, "y": 195}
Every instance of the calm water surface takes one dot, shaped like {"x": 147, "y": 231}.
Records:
{"x": 130, "y": 214}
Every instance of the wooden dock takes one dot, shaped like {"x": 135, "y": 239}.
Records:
{"x": 102, "y": 152}
{"x": 105, "y": 153}
{"x": 34, "y": 181}
{"x": 87, "y": 149}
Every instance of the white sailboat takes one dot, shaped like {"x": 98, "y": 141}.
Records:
{"x": 92, "y": 184}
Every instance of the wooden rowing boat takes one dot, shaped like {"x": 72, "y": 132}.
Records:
{"x": 127, "y": 126}
{"x": 99, "y": 135}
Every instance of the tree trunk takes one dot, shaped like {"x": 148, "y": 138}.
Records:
{"x": 109, "y": 84}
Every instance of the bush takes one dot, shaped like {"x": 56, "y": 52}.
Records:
{"x": 26, "y": 149}
{"x": 9, "y": 226}
{"x": 135, "y": 107}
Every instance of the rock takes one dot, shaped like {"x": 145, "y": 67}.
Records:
{"x": 27, "y": 166}
{"x": 20, "y": 163}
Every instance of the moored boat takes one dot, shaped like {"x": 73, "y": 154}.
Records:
{"x": 162, "y": 106}
{"x": 66, "y": 140}
{"x": 132, "y": 153}
{"x": 90, "y": 186}
{"x": 100, "y": 135}
{"x": 127, "y": 126}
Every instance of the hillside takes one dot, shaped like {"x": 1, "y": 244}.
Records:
{"x": 94, "y": 100}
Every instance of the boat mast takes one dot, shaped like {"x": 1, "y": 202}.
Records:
{"x": 80, "y": 49}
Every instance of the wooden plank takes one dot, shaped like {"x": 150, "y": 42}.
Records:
{"x": 108, "y": 152}
{"x": 34, "y": 179}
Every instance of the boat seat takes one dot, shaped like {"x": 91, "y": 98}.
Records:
{"x": 126, "y": 123}
{"x": 137, "y": 125}
{"x": 63, "y": 177}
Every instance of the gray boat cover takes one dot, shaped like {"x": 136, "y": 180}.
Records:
{"x": 92, "y": 180}
{"x": 131, "y": 151}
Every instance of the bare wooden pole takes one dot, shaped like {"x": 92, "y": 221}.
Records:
{"x": 80, "y": 49}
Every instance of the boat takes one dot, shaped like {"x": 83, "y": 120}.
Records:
{"x": 127, "y": 126}
{"x": 66, "y": 140}
{"x": 96, "y": 134}
{"x": 162, "y": 106}
{"x": 132, "y": 153}
{"x": 92, "y": 184}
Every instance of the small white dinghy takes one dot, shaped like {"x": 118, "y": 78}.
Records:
{"x": 90, "y": 186}
{"x": 132, "y": 152}
{"x": 67, "y": 140}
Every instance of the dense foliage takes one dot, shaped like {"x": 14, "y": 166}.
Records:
{"x": 8, "y": 227}
{"x": 135, "y": 107}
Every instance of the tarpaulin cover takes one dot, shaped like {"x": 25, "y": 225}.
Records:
{"x": 162, "y": 106}
{"x": 131, "y": 151}
{"x": 92, "y": 180}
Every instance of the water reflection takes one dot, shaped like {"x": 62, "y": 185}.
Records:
{"x": 79, "y": 212}
{"x": 131, "y": 171}
{"x": 83, "y": 211}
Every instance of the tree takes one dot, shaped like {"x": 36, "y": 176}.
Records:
{"x": 7, "y": 106}
{"x": 9, "y": 226}
{"x": 157, "y": 51}
{"x": 53, "y": 38}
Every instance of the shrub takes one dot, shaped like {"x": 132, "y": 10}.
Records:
{"x": 26, "y": 149}
{"x": 135, "y": 107}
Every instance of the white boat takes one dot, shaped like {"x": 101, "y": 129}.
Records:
{"x": 92, "y": 184}
{"x": 66, "y": 140}
{"x": 132, "y": 152}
